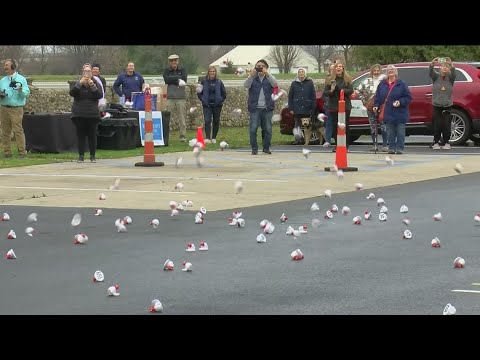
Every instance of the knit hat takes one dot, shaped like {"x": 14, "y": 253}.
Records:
{"x": 97, "y": 65}
{"x": 303, "y": 70}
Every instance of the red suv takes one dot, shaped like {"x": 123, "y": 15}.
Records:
{"x": 465, "y": 110}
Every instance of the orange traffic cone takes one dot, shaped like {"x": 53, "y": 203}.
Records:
{"x": 200, "y": 138}
{"x": 341, "y": 151}
{"x": 149, "y": 148}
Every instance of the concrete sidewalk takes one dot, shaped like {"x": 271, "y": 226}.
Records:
{"x": 267, "y": 179}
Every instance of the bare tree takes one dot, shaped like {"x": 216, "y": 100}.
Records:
{"x": 345, "y": 49}
{"x": 284, "y": 56}
{"x": 17, "y": 52}
{"x": 79, "y": 54}
{"x": 321, "y": 53}
{"x": 220, "y": 50}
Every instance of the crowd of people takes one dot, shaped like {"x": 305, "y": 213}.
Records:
{"x": 386, "y": 98}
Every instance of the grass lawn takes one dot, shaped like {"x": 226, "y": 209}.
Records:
{"x": 234, "y": 136}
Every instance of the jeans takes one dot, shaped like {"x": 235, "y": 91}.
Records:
{"x": 262, "y": 118}
{"x": 209, "y": 113}
{"x": 383, "y": 128}
{"x": 396, "y": 136}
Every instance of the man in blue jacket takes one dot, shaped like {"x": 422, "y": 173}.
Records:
{"x": 260, "y": 84}
{"x": 130, "y": 81}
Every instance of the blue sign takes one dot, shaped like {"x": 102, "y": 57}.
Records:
{"x": 157, "y": 127}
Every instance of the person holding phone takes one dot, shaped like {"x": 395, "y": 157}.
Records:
{"x": 85, "y": 113}
{"x": 260, "y": 84}
{"x": 442, "y": 101}
{"x": 14, "y": 92}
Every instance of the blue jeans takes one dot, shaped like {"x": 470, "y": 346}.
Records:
{"x": 383, "y": 128}
{"x": 262, "y": 118}
{"x": 209, "y": 113}
{"x": 396, "y": 136}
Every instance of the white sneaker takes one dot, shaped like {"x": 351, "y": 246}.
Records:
{"x": 214, "y": 141}
{"x": 436, "y": 146}
{"x": 326, "y": 144}
{"x": 446, "y": 147}
{"x": 208, "y": 141}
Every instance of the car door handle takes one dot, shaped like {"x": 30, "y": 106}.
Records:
{"x": 428, "y": 94}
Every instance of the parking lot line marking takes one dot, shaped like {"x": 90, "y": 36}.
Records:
{"x": 141, "y": 177}
{"x": 102, "y": 190}
{"x": 476, "y": 284}
{"x": 468, "y": 291}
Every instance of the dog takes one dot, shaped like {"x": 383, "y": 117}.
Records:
{"x": 309, "y": 128}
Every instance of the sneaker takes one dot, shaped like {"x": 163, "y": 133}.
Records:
{"x": 385, "y": 149}
{"x": 446, "y": 147}
{"x": 267, "y": 151}
{"x": 399, "y": 152}
{"x": 436, "y": 146}
{"x": 254, "y": 152}
{"x": 326, "y": 144}
{"x": 208, "y": 141}
{"x": 391, "y": 152}
{"x": 374, "y": 149}
{"x": 214, "y": 141}
{"x": 92, "y": 159}
{"x": 81, "y": 158}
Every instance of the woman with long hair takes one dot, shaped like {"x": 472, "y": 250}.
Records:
{"x": 85, "y": 112}
{"x": 212, "y": 94}
{"x": 340, "y": 80}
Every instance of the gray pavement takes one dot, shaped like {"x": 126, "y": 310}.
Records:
{"x": 348, "y": 269}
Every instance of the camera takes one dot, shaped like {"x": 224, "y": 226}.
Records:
{"x": 259, "y": 69}
{"x": 13, "y": 84}
{"x": 442, "y": 60}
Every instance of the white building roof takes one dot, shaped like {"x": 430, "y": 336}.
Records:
{"x": 244, "y": 54}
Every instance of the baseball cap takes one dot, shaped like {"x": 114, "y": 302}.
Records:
{"x": 173, "y": 57}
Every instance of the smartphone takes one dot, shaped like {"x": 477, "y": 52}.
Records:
{"x": 259, "y": 69}
{"x": 441, "y": 59}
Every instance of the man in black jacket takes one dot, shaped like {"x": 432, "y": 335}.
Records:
{"x": 176, "y": 79}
